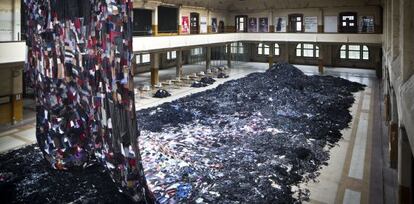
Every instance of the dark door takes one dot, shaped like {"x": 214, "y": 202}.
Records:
{"x": 241, "y": 23}
{"x": 194, "y": 23}
{"x": 348, "y": 22}
{"x": 221, "y": 27}
{"x": 296, "y": 23}
{"x": 142, "y": 23}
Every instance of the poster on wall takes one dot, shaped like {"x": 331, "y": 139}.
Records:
{"x": 280, "y": 25}
{"x": 263, "y": 25}
{"x": 203, "y": 24}
{"x": 214, "y": 25}
{"x": 331, "y": 24}
{"x": 185, "y": 24}
{"x": 252, "y": 25}
{"x": 311, "y": 24}
{"x": 366, "y": 24}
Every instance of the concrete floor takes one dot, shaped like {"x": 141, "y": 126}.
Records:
{"x": 348, "y": 178}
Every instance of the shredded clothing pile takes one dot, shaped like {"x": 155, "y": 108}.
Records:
{"x": 247, "y": 141}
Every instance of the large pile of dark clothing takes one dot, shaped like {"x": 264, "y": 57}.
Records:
{"x": 248, "y": 140}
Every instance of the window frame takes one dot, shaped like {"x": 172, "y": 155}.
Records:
{"x": 171, "y": 55}
{"x": 302, "y": 47}
{"x": 293, "y": 23}
{"x": 140, "y": 58}
{"x": 344, "y": 25}
{"x": 196, "y": 51}
{"x": 262, "y": 47}
{"x": 236, "y": 48}
{"x": 239, "y": 23}
{"x": 363, "y": 52}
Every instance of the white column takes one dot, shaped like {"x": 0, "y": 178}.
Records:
{"x": 406, "y": 38}
{"x": 395, "y": 27}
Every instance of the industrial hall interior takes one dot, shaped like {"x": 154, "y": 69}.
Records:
{"x": 207, "y": 101}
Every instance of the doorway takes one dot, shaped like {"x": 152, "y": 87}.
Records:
{"x": 348, "y": 22}
{"x": 194, "y": 23}
{"x": 241, "y": 24}
{"x": 221, "y": 27}
{"x": 296, "y": 23}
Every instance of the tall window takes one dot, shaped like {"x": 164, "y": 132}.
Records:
{"x": 171, "y": 55}
{"x": 354, "y": 52}
{"x": 307, "y": 50}
{"x": 236, "y": 48}
{"x": 241, "y": 23}
{"x": 143, "y": 58}
{"x": 277, "y": 49}
{"x": 296, "y": 23}
{"x": 263, "y": 49}
{"x": 196, "y": 51}
{"x": 348, "y": 22}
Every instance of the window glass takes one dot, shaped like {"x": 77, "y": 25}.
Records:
{"x": 343, "y": 54}
{"x": 266, "y": 50}
{"x": 298, "y": 26}
{"x": 354, "y": 54}
{"x": 298, "y": 52}
{"x": 146, "y": 58}
{"x": 277, "y": 49}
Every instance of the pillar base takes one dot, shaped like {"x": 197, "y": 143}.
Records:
{"x": 393, "y": 146}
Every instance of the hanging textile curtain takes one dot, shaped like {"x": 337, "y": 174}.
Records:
{"x": 79, "y": 60}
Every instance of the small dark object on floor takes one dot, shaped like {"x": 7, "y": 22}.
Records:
{"x": 198, "y": 84}
{"x": 207, "y": 80}
{"x": 222, "y": 75}
{"x": 161, "y": 93}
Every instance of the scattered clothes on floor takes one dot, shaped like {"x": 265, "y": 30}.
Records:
{"x": 248, "y": 140}
{"x": 198, "y": 84}
{"x": 222, "y": 75}
{"x": 161, "y": 93}
{"x": 207, "y": 80}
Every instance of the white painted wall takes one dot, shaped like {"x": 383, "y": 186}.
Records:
{"x": 144, "y": 44}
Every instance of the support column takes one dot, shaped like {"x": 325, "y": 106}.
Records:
{"x": 155, "y": 21}
{"x": 155, "y": 65}
{"x": 179, "y": 69}
{"x": 229, "y": 55}
{"x": 395, "y": 40}
{"x": 179, "y": 21}
{"x": 286, "y": 52}
{"x": 405, "y": 170}
{"x": 320, "y": 59}
{"x": 17, "y": 89}
{"x": 208, "y": 57}
{"x": 406, "y": 39}
{"x": 271, "y": 54}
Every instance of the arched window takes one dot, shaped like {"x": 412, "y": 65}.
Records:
{"x": 307, "y": 50}
{"x": 263, "y": 49}
{"x": 356, "y": 52}
{"x": 277, "y": 49}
